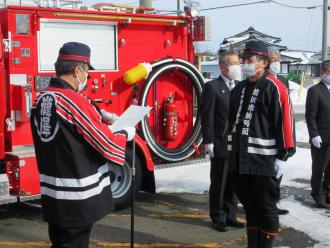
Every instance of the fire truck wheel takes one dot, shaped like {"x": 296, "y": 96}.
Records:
{"x": 121, "y": 180}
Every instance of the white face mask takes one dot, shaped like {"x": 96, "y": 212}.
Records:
{"x": 234, "y": 71}
{"x": 82, "y": 85}
{"x": 275, "y": 67}
{"x": 326, "y": 78}
{"x": 250, "y": 69}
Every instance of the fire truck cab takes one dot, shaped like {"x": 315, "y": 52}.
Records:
{"x": 130, "y": 46}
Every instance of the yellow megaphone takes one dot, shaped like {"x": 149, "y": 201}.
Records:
{"x": 137, "y": 73}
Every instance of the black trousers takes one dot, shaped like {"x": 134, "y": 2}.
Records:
{"x": 259, "y": 195}
{"x": 69, "y": 237}
{"x": 279, "y": 180}
{"x": 320, "y": 180}
{"x": 223, "y": 200}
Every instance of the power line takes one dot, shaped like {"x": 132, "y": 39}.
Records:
{"x": 237, "y": 5}
{"x": 295, "y": 7}
{"x": 263, "y": 2}
{"x": 251, "y": 3}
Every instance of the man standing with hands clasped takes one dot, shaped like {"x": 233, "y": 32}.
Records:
{"x": 260, "y": 140}
{"x": 318, "y": 122}
{"x": 214, "y": 107}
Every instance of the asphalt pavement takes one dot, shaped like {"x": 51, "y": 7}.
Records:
{"x": 161, "y": 220}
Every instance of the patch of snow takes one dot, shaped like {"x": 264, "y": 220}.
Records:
{"x": 196, "y": 178}
{"x": 314, "y": 222}
{"x": 213, "y": 62}
{"x": 298, "y": 166}
{"x": 297, "y": 93}
{"x": 306, "y": 57}
{"x": 302, "y": 132}
{"x": 234, "y": 40}
{"x": 189, "y": 179}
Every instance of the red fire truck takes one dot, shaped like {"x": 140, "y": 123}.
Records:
{"x": 130, "y": 46}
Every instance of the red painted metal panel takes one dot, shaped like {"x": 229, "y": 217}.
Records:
{"x": 2, "y": 102}
{"x": 23, "y": 175}
{"x": 147, "y": 156}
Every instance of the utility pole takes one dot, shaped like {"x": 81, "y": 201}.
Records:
{"x": 178, "y": 7}
{"x": 325, "y": 30}
{"x": 146, "y": 3}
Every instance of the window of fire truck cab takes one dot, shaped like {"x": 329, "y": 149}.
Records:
{"x": 54, "y": 33}
{"x": 22, "y": 24}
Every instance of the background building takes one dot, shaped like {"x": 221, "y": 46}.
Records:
{"x": 237, "y": 42}
{"x": 296, "y": 65}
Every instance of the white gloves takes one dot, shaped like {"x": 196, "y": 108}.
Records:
{"x": 317, "y": 141}
{"x": 209, "y": 149}
{"x": 279, "y": 165}
{"x": 130, "y": 133}
{"x": 111, "y": 117}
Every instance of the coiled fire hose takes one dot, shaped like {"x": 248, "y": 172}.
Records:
{"x": 189, "y": 147}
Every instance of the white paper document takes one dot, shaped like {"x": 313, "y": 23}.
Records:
{"x": 132, "y": 116}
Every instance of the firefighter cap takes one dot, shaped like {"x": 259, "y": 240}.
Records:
{"x": 255, "y": 47}
{"x": 75, "y": 51}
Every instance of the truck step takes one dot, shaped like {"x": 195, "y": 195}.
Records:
{"x": 182, "y": 163}
{"x": 5, "y": 198}
{"x": 4, "y": 185}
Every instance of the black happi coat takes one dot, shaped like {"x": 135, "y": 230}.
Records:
{"x": 72, "y": 148}
{"x": 261, "y": 126}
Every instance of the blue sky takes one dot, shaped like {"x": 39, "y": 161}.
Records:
{"x": 299, "y": 29}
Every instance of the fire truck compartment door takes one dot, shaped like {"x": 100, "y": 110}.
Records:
{"x": 101, "y": 37}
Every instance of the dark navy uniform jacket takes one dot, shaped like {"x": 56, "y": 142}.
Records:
{"x": 214, "y": 111}
{"x": 72, "y": 148}
{"x": 317, "y": 112}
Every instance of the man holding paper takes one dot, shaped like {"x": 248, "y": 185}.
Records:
{"x": 73, "y": 147}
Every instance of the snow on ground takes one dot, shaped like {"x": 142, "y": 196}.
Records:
{"x": 298, "y": 166}
{"x": 196, "y": 178}
{"x": 297, "y": 93}
{"x": 302, "y": 132}
{"x": 313, "y": 222}
{"x": 188, "y": 179}
{"x": 298, "y": 97}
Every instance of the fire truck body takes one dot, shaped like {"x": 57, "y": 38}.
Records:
{"x": 119, "y": 41}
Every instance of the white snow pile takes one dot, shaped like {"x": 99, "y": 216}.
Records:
{"x": 314, "y": 222}
{"x": 302, "y": 132}
{"x": 298, "y": 97}
{"x": 196, "y": 178}
{"x": 298, "y": 166}
{"x": 184, "y": 179}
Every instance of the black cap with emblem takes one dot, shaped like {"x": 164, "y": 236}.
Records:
{"x": 75, "y": 51}
{"x": 255, "y": 47}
